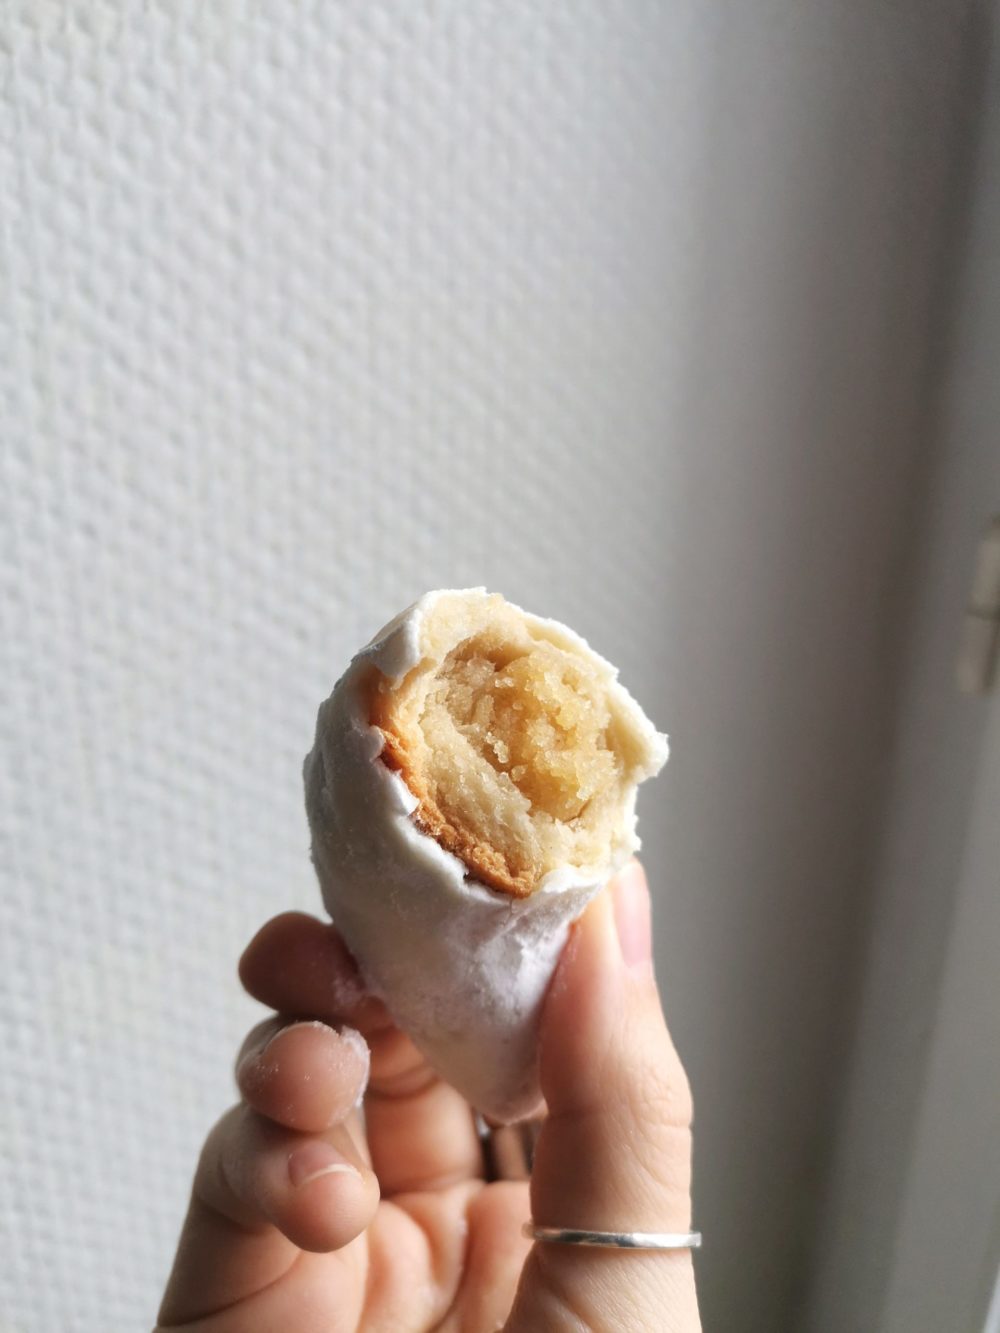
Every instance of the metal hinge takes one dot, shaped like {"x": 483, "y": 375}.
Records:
{"x": 979, "y": 647}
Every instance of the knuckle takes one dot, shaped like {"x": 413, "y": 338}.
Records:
{"x": 663, "y": 1097}
{"x": 651, "y": 1082}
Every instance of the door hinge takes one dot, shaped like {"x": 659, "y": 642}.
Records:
{"x": 979, "y": 646}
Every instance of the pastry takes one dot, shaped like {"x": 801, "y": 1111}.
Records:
{"x": 471, "y": 786}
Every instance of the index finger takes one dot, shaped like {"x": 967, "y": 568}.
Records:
{"x": 421, "y": 1133}
{"x": 302, "y": 967}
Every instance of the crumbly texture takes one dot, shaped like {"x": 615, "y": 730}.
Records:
{"x": 517, "y": 746}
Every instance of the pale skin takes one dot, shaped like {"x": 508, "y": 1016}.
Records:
{"x": 306, "y": 1219}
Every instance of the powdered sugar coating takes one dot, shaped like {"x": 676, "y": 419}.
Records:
{"x": 462, "y": 969}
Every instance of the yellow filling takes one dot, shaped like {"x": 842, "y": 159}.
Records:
{"x": 517, "y": 748}
{"x": 539, "y": 719}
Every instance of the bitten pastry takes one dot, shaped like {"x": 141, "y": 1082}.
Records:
{"x": 472, "y": 785}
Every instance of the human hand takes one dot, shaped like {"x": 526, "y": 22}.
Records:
{"x": 306, "y": 1217}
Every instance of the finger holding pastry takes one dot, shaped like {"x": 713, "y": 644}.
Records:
{"x": 614, "y": 1155}
{"x": 470, "y": 792}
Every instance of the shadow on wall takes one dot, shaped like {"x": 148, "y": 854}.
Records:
{"x": 831, "y": 230}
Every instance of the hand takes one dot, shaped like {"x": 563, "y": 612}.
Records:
{"x": 304, "y": 1218}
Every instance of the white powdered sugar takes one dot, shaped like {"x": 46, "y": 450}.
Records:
{"x": 462, "y": 969}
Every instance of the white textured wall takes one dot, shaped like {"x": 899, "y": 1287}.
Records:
{"x": 619, "y": 308}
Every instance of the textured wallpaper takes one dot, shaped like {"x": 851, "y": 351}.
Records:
{"x": 619, "y": 309}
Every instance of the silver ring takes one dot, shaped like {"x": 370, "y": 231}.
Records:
{"x": 615, "y": 1240}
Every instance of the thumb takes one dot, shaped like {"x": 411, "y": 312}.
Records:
{"x": 614, "y": 1153}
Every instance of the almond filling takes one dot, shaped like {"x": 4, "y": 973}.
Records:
{"x": 518, "y": 752}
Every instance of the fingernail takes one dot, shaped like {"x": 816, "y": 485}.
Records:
{"x": 317, "y": 1159}
{"x": 632, "y": 917}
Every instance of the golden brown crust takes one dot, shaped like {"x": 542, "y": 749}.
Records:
{"x": 484, "y": 862}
